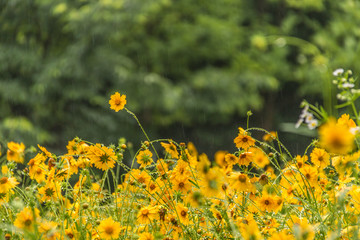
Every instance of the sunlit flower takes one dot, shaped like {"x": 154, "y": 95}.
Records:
{"x": 245, "y": 158}
{"x": 259, "y": 157}
{"x": 50, "y": 192}
{"x": 170, "y": 148}
{"x": 268, "y": 137}
{"x": 147, "y": 214}
{"x": 336, "y": 138}
{"x": 101, "y": 156}
{"x": 183, "y": 213}
{"x": 117, "y": 102}
{"x": 181, "y": 184}
{"x": 320, "y": 158}
{"x": 140, "y": 177}
{"x": 109, "y": 229}
{"x": 220, "y": 158}
{"x": 267, "y": 203}
{"x": 7, "y": 183}
{"x": 146, "y": 236}
{"x": 241, "y": 182}
{"x": 48, "y": 229}
{"x": 27, "y": 218}
{"x": 244, "y": 141}
{"x": 15, "y": 152}
{"x": 45, "y": 151}
{"x": 231, "y": 159}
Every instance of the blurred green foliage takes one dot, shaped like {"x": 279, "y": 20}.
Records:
{"x": 191, "y": 69}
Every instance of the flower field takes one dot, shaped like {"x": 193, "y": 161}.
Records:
{"x": 259, "y": 191}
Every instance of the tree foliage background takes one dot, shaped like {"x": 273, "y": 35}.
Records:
{"x": 190, "y": 69}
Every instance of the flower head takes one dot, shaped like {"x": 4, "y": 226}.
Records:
{"x": 27, "y": 218}
{"x": 144, "y": 158}
{"x": 109, "y": 229}
{"x": 7, "y": 183}
{"x": 320, "y": 158}
{"x": 101, "y": 156}
{"x": 15, "y": 152}
{"x": 170, "y": 148}
{"x": 244, "y": 141}
{"x": 117, "y": 101}
{"x": 336, "y": 138}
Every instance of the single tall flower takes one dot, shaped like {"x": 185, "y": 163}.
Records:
{"x": 117, "y": 101}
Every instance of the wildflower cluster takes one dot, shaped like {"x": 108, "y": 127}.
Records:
{"x": 259, "y": 191}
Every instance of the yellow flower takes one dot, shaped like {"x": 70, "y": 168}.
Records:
{"x": 146, "y": 236}
{"x": 270, "y": 136}
{"x": 141, "y": 177}
{"x": 241, "y": 182}
{"x": 181, "y": 184}
{"x": 244, "y": 141}
{"x": 144, "y": 158}
{"x": 38, "y": 172}
{"x": 147, "y": 214}
{"x": 183, "y": 213}
{"x": 27, "y": 218}
{"x": 267, "y": 203}
{"x": 282, "y": 235}
{"x": 220, "y": 159}
{"x": 45, "y": 151}
{"x": 231, "y": 159}
{"x": 48, "y": 229}
{"x": 320, "y": 158}
{"x": 259, "y": 157}
{"x": 192, "y": 149}
{"x": 245, "y": 158}
{"x": 345, "y": 120}
{"x": 117, "y": 101}
{"x": 182, "y": 169}
{"x": 7, "y": 183}
{"x": 249, "y": 229}
{"x": 15, "y": 152}
{"x": 171, "y": 149}
{"x": 310, "y": 173}
{"x": 50, "y": 192}
{"x": 71, "y": 233}
{"x": 162, "y": 166}
{"x": 102, "y": 157}
{"x": 336, "y": 138}
{"x": 109, "y": 229}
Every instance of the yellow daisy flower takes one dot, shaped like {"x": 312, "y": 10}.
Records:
{"x": 117, "y": 102}
{"x": 109, "y": 229}
{"x": 15, "y": 152}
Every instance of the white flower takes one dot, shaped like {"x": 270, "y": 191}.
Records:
{"x": 309, "y": 117}
{"x": 312, "y": 124}
{"x": 348, "y": 85}
{"x": 355, "y": 130}
{"x": 299, "y": 122}
{"x": 338, "y": 72}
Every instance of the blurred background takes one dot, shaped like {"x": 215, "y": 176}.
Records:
{"x": 191, "y": 69}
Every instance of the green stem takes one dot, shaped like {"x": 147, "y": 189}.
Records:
{"x": 142, "y": 129}
{"x": 355, "y": 112}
